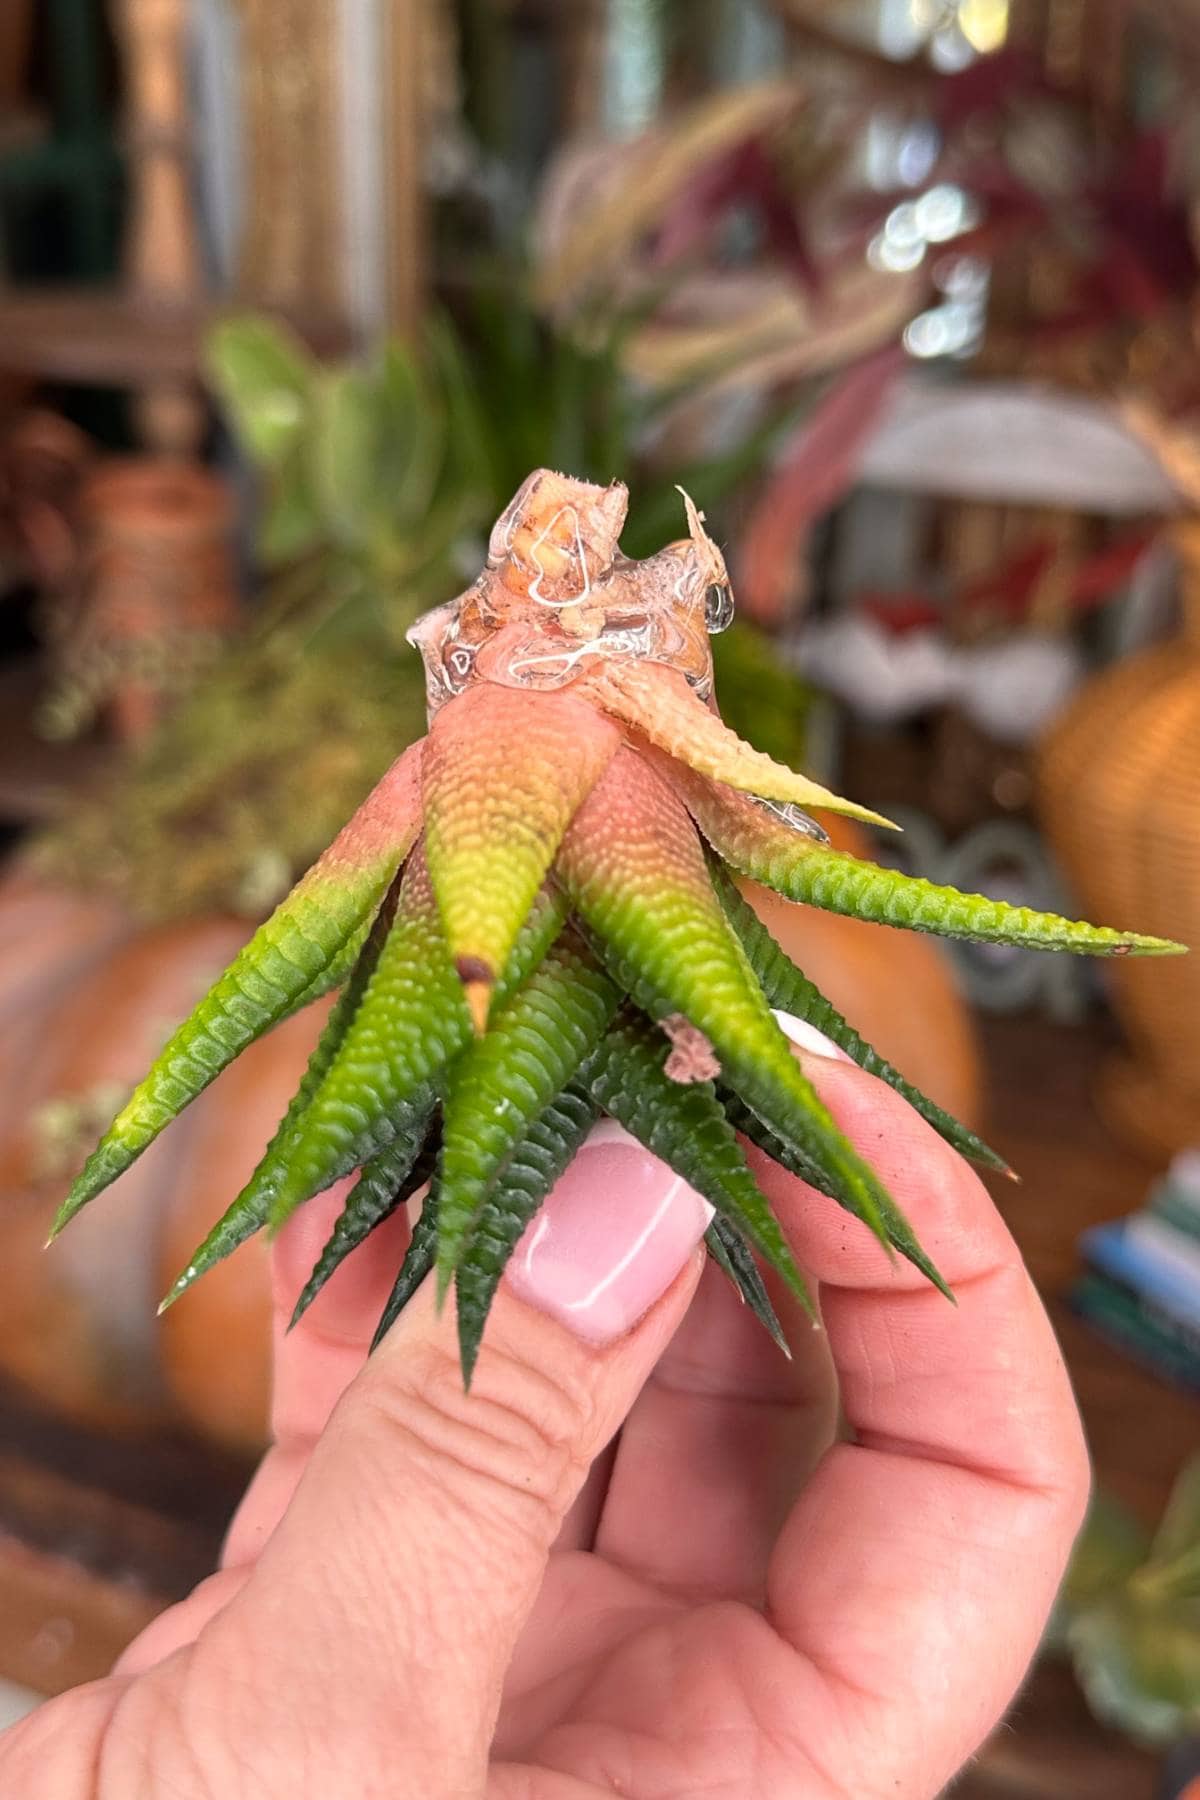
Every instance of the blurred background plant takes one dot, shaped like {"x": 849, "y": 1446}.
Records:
{"x": 379, "y": 482}
{"x": 1129, "y": 1615}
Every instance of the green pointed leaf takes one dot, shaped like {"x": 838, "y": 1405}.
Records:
{"x": 787, "y": 988}
{"x": 494, "y": 821}
{"x": 760, "y": 844}
{"x": 717, "y": 1251}
{"x": 412, "y": 1022}
{"x": 248, "y": 1212}
{"x": 417, "y": 1264}
{"x": 635, "y": 871}
{"x": 506, "y": 1079}
{"x": 536, "y": 1164}
{"x": 281, "y": 968}
{"x": 684, "y": 1125}
{"x": 900, "y": 1234}
{"x": 733, "y": 1256}
{"x": 391, "y": 1177}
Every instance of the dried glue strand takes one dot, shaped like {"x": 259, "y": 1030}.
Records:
{"x": 558, "y": 599}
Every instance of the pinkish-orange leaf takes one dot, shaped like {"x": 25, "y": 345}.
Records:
{"x": 658, "y": 702}
{"x": 504, "y": 772}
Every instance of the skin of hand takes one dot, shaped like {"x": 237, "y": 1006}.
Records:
{"x": 647, "y": 1556}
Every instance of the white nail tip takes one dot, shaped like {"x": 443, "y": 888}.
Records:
{"x": 807, "y": 1037}
{"x": 607, "y": 1133}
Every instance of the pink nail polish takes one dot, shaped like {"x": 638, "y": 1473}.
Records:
{"x": 807, "y": 1037}
{"x": 614, "y": 1233}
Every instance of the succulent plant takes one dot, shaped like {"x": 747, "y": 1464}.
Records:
{"x": 533, "y": 921}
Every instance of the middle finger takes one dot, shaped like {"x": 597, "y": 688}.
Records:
{"x": 717, "y": 1447}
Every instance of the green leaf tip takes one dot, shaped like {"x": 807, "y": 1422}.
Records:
{"x": 292, "y": 959}
{"x": 901, "y": 1237}
{"x": 763, "y": 846}
{"x": 684, "y": 1125}
{"x": 387, "y": 1182}
{"x": 506, "y": 1079}
{"x": 536, "y": 1164}
{"x": 791, "y": 991}
{"x": 732, "y": 1255}
{"x": 417, "y": 1264}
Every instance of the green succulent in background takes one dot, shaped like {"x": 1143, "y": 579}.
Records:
{"x": 379, "y": 479}
{"x": 1129, "y": 1615}
{"x": 371, "y": 468}
{"x": 244, "y": 785}
{"x": 396, "y": 466}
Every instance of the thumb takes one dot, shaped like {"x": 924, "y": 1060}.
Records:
{"x": 397, "y": 1583}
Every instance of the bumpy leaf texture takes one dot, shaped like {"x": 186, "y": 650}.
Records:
{"x": 528, "y": 917}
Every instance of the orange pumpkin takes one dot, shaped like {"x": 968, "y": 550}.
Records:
{"x": 48, "y": 937}
{"x": 226, "y": 1317}
{"x": 77, "y": 1323}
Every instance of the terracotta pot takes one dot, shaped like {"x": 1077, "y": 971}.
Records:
{"x": 156, "y": 583}
{"x": 1119, "y": 783}
{"x": 43, "y": 460}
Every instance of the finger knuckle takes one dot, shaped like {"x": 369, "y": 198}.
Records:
{"x": 1075, "y": 1480}
{"x": 516, "y": 1445}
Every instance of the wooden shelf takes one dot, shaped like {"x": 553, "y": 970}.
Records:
{"x": 97, "y": 1536}
{"x": 105, "y": 338}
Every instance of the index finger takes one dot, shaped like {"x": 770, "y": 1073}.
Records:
{"x": 313, "y": 1365}
{"x": 917, "y": 1570}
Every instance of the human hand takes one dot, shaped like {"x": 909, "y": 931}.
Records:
{"x": 426, "y": 1594}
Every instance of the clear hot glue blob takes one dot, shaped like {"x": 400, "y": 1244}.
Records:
{"x": 795, "y": 818}
{"x": 557, "y": 597}
{"x": 718, "y": 609}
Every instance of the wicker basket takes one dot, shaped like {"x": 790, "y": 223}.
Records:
{"x": 1119, "y": 782}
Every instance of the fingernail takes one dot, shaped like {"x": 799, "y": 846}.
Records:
{"x": 615, "y": 1231}
{"x": 807, "y": 1037}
